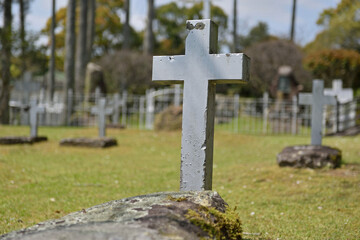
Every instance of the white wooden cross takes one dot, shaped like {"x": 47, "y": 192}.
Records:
{"x": 101, "y": 110}
{"x": 317, "y": 100}
{"x": 343, "y": 94}
{"x": 117, "y": 102}
{"x": 34, "y": 110}
{"x": 199, "y": 69}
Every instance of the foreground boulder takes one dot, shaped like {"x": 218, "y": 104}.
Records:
{"x": 309, "y": 156}
{"x": 184, "y": 215}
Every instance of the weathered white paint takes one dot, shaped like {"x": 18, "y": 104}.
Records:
{"x": 317, "y": 100}
{"x": 199, "y": 69}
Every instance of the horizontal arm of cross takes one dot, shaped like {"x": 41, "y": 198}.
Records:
{"x": 169, "y": 69}
{"x": 305, "y": 98}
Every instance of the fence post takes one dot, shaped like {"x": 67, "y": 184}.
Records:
{"x": 236, "y": 112}
{"x": 124, "y": 108}
{"x": 150, "y": 108}
{"x": 265, "y": 111}
{"x": 177, "y": 95}
{"x": 294, "y": 115}
{"x": 141, "y": 112}
{"x": 69, "y": 107}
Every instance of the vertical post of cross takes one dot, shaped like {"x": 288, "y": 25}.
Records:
{"x": 200, "y": 69}
{"x": 34, "y": 110}
{"x": 317, "y": 100}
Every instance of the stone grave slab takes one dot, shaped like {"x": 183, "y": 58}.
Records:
{"x": 309, "y": 156}
{"x": 315, "y": 155}
{"x": 89, "y": 142}
{"x": 153, "y": 216}
{"x": 12, "y": 140}
{"x": 34, "y": 138}
{"x": 101, "y": 142}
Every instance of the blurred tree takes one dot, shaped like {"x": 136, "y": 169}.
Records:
{"x": 81, "y": 55}
{"x": 52, "y": 53}
{"x": 6, "y": 35}
{"x": 335, "y": 64}
{"x": 266, "y": 58}
{"x": 149, "y": 33}
{"x": 126, "y": 30}
{"x": 108, "y": 29}
{"x": 341, "y": 27}
{"x": 171, "y": 26}
{"x": 257, "y": 34}
{"x": 133, "y": 74}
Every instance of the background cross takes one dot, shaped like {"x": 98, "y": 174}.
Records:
{"x": 317, "y": 100}
{"x": 34, "y": 110}
{"x": 101, "y": 110}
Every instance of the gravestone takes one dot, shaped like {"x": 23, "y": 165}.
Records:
{"x": 314, "y": 155}
{"x": 343, "y": 95}
{"x": 101, "y": 142}
{"x": 118, "y": 102}
{"x": 317, "y": 100}
{"x": 102, "y": 111}
{"x": 34, "y": 110}
{"x": 200, "y": 69}
{"x": 345, "y": 113}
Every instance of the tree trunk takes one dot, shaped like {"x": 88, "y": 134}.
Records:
{"x": 22, "y": 36}
{"x": 5, "y": 61}
{"x": 69, "y": 54}
{"x": 292, "y": 31}
{"x": 81, "y": 49}
{"x": 126, "y": 33}
{"x": 235, "y": 45}
{"x": 90, "y": 29}
{"x": 52, "y": 57}
{"x": 149, "y": 34}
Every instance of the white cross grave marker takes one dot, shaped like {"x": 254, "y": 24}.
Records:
{"x": 101, "y": 110}
{"x": 317, "y": 100}
{"x": 34, "y": 110}
{"x": 199, "y": 69}
{"x": 343, "y": 94}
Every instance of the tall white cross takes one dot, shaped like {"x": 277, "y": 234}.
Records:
{"x": 34, "y": 110}
{"x": 101, "y": 110}
{"x": 199, "y": 69}
{"x": 317, "y": 100}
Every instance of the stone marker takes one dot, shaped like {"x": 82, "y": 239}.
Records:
{"x": 102, "y": 142}
{"x": 343, "y": 94}
{"x": 34, "y": 110}
{"x": 317, "y": 100}
{"x": 101, "y": 110}
{"x": 199, "y": 69}
{"x": 160, "y": 216}
{"x": 314, "y": 155}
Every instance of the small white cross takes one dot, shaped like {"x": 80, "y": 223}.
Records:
{"x": 34, "y": 110}
{"x": 317, "y": 100}
{"x": 101, "y": 110}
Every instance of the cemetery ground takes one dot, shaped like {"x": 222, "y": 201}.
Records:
{"x": 46, "y": 181}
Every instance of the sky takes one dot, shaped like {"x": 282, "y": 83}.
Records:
{"x": 276, "y": 13}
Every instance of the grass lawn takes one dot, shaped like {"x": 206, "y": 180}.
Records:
{"x": 45, "y": 181}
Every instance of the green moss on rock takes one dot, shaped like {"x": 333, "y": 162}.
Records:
{"x": 217, "y": 224}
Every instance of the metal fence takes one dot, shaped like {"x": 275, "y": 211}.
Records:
{"x": 233, "y": 114}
